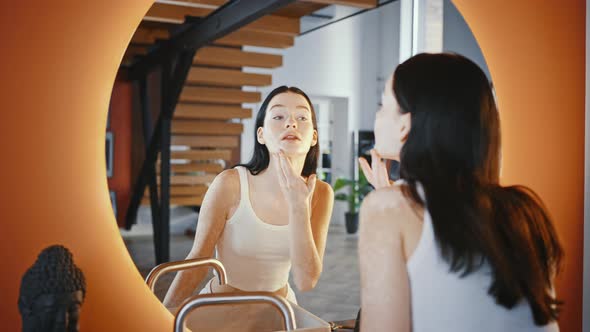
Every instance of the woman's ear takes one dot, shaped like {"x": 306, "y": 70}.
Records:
{"x": 406, "y": 125}
{"x": 314, "y": 139}
{"x": 259, "y": 135}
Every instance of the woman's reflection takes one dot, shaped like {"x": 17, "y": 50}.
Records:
{"x": 270, "y": 215}
{"x": 448, "y": 248}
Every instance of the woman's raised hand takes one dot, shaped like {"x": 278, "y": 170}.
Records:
{"x": 376, "y": 173}
{"x": 295, "y": 188}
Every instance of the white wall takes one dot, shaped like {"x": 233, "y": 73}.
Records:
{"x": 427, "y": 26}
{"x": 388, "y": 58}
{"x": 457, "y": 37}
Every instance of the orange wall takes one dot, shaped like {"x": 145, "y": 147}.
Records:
{"x": 535, "y": 51}
{"x": 58, "y": 66}
{"x": 121, "y": 107}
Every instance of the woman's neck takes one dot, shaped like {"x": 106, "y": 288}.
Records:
{"x": 297, "y": 163}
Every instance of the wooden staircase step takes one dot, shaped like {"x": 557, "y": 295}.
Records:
{"x": 202, "y": 154}
{"x": 206, "y": 141}
{"x": 196, "y": 167}
{"x": 134, "y": 49}
{"x": 276, "y": 24}
{"x": 211, "y": 112}
{"x": 176, "y": 180}
{"x": 352, "y": 3}
{"x": 218, "y": 95}
{"x": 164, "y": 12}
{"x": 211, "y": 3}
{"x": 179, "y": 200}
{"x": 149, "y": 36}
{"x": 226, "y": 77}
{"x": 206, "y": 127}
{"x": 198, "y": 190}
{"x": 256, "y": 38}
{"x": 207, "y": 167}
{"x": 176, "y": 13}
{"x": 232, "y": 57}
{"x": 298, "y": 9}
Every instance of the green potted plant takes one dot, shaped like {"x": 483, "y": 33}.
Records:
{"x": 358, "y": 189}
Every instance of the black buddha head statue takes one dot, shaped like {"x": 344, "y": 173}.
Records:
{"x": 51, "y": 292}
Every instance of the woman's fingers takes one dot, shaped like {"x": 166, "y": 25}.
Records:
{"x": 287, "y": 166}
{"x": 285, "y": 169}
{"x": 375, "y": 159}
{"x": 366, "y": 169}
{"x": 379, "y": 171}
{"x": 295, "y": 188}
{"x": 281, "y": 173}
{"x": 384, "y": 174}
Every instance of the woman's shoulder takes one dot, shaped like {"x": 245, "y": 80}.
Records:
{"x": 382, "y": 216}
{"x": 228, "y": 177}
{"x": 389, "y": 199}
{"x": 323, "y": 197}
{"x": 226, "y": 184}
{"x": 388, "y": 209}
{"x": 323, "y": 188}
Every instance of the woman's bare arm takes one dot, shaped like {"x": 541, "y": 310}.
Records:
{"x": 308, "y": 236}
{"x": 310, "y": 208}
{"x": 385, "y": 289}
{"x": 220, "y": 197}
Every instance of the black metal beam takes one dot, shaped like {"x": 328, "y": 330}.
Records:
{"x": 146, "y": 169}
{"x": 147, "y": 134}
{"x": 146, "y": 117}
{"x": 191, "y": 36}
{"x": 162, "y": 239}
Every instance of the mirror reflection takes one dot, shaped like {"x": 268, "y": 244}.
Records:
{"x": 269, "y": 216}
{"x": 285, "y": 219}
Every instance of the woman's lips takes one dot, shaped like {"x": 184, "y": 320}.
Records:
{"x": 290, "y": 138}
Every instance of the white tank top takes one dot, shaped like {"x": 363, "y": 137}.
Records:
{"x": 443, "y": 301}
{"x": 254, "y": 253}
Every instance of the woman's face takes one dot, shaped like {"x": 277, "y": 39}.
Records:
{"x": 288, "y": 125}
{"x": 391, "y": 127}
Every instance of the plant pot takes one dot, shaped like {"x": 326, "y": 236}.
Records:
{"x": 352, "y": 222}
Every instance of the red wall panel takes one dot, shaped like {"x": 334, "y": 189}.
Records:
{"x": 120, "y": 115}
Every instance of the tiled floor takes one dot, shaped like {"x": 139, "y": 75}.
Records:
{"x": 336, "y": 296}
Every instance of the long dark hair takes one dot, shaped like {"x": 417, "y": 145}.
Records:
{"x": 453, "y": 150}
{"x": 261, "y": 158}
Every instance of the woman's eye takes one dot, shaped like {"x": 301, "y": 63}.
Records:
{"x": 303, "y": 118}
{"x": 277, "y": 117}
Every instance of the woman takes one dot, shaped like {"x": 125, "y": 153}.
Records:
{"x": 447, "y": 248}
{"x": 269, "y": 216}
